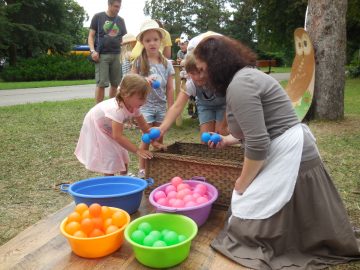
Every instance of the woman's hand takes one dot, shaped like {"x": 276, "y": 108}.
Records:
{"x": 144, "y": 153}
{"x": 158, "y": 145}
{"x": 239, "y": 188}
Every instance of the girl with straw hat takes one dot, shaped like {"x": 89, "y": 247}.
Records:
{"x": 159, "y": 72}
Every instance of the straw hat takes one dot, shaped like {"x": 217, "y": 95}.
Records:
{"x": 127, "y": 38}
{"x": 196, "y": 40}
{"x": 150, "y": 25}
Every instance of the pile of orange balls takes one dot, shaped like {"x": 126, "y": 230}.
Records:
{"x": 94, "y": 220}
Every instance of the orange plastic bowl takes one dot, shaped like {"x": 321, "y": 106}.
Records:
{"x": 96, "y": 247}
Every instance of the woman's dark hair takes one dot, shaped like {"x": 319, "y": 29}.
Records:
{"x": 224, "y": 57}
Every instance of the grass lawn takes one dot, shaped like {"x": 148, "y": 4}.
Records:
{"x": 23, "y": 85}
{"x": 38, "y": 140}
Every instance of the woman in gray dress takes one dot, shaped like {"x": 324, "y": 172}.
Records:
{"x": 285, "y": 211}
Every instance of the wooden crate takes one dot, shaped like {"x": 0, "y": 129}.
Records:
{"x": 220, "y": 167}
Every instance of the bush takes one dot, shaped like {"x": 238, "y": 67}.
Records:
{"x": 354, "y": 68}
{"x": 50, "y": 67}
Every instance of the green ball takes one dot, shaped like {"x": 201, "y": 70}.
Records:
{"x": 181, "y": 238}
{"x": 138, "y": 236}
{"x": 164, "y": 232}
{"x": 149, "y": 240}
{"x": 159, "y": 243}
{"x": 156, "y": 234}
{"x": 171, "y": 238}
{"x": 145, "y": 227}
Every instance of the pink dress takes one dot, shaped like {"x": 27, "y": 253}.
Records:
{"x": 96, "y": 148}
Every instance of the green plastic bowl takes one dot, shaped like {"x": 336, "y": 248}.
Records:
{"x": 162, "y": 257}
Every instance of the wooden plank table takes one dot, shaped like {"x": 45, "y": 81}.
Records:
{"x": 42, "y": 246}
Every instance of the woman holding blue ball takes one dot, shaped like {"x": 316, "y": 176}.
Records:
{"x": 285, "y": 210}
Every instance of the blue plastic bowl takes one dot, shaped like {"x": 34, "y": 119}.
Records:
{"x": 122, "y": 192}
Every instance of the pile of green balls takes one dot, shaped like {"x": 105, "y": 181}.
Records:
{"x": 147, "y": 236}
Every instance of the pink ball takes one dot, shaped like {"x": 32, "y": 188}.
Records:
{"x": 159, "y": 194}
{"x": 172, "y": 194}
{"x": 199, "y": 191}
{"x": 190, "y": 204}
{"x": 181, "y": 194}
{"x": 196, "y": 195}
{"x": 201, "y": 187}
{"x": 179, "y": 203}
{"x": 170, "y": 188}
{"x": 188, "y": 198}
{"x": 176, "y": 181}
{"x": 182, "y": 186}
{"x": 172, "y": 201}
{"x": 201, "y": 200}
{"x": 163, "y": 202}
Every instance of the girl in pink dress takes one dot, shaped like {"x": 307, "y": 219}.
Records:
{"x": 102, "y": 146}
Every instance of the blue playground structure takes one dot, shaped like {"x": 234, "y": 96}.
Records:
{"x": 81, "y": 49}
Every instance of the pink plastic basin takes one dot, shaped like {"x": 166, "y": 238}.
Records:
{"x": 198, "y": 213}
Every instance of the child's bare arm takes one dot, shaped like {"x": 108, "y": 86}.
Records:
{"x": 143, "y": 125}
{"x": 117, "y": 134}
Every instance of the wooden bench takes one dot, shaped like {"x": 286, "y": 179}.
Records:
{"x": 266, "y": 63}
{"x": 42, "y": 246}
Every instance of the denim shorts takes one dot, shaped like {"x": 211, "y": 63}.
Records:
{"x": 154, "y": 114}
{"x": 210, "y": 113}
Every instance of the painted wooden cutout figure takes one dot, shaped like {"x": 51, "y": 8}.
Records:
{"x": 300, "y": 87}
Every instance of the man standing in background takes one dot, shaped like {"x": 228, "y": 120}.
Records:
{"x": 105, "y": 36}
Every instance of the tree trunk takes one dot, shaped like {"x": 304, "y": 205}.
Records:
{"x": 326, "y": 26}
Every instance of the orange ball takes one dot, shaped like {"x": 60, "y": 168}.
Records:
{"x": 74, "y": 216}
{"x": 81, "y": 207}
{"x": 111, "y": 229}
{"x": 87, "y": 225}
{"x": 95, "y": 210}
{"x": 98, "y": 222}
{"x": 118, "y": 219}
{"x": 72, "y": 227}
{"x": 85, "y": 214}
{"x": 96, "y": 232}
{"x": 107, "y": 222}
{"x": 106, "y": 212}
{"x": 80, "y": 234}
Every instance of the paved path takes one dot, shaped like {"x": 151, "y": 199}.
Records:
{"x": 32, "y": 95}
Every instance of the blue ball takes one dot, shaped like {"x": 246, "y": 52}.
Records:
{"x": 205, "y": 137}
{"x": 146, "y": 138}
{"x": 156, "y": 84}
{"x": 154, "y": 133}
{"x": 215, "y": 138}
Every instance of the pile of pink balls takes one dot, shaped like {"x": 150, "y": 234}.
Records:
{"x": 180, "y": 194}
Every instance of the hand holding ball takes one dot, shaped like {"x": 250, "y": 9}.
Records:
{"x": 206, "y": 137}
{"x": 152, "y": 135}
{"x": 146, "y": 138}
{"x": 215, "y": 138}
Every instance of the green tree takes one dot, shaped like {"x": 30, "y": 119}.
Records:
{"x": 275, "y": 24}
{"x": 241, "y": 21}
{"x": 353, "y": 30}
{"x": 191, "y": 17}
{"x": 34, "y": 26}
